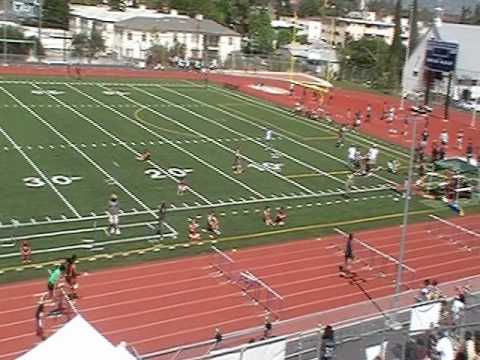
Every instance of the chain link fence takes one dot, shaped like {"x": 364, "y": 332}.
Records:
{"x": 358, "y": 327}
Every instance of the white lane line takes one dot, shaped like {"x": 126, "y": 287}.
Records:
{"x": 172, "y": 143}
{"x": 274, "y": 173}
{"x": 98, "y": 167}
{"x": 79, "y": 151}
{"x": 313, "y": 168}
{"x": 124, "y": 144}
{"x": 269, "y": 107}
{"x": 308, "y": 122}
{"x": 40, "y": 172}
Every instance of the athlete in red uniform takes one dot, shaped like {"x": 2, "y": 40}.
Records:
{"x": 71, "y": 275}
{"x": 213, "y": 225}
{"x": 39, "y": 315}
{"x": 281, "y": 217}
{"x": 145, "y": 156}
{"x": 193, "y": 232}
{"x": 26, "y": 251}
{"x": 267, "y": 216}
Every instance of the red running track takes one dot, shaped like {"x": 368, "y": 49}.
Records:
{"x": 164, "y": 304}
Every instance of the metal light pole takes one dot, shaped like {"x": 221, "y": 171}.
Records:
{"x": 474, "y": 117}
{"x": 40, "y": 14}
{"x": 407, "y": 55}
{"x": 5, "y": 2}
{"x": 408, "y": 192}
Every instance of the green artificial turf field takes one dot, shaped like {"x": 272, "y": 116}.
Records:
{"x": 65, "y": 146}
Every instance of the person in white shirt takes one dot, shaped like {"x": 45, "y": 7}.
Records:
{"x": 269, "y": 135}
{"x": 445, "y": 348}
{"x": 352, "y": 151}
{"x": 372, "y": 157}
{"x": 444, "y": 137}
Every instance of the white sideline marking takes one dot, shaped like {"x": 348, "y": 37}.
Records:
{"x": 214, "y": 168}
{"x": 269, "y": 107}
{"x": 274, "y": 173}
{"x": 98, "y": 167}
{"x": 37, "y": 169}
{"x": 200, "y": 196}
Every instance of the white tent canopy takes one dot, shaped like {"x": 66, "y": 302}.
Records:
{"x": 77, "y": 340}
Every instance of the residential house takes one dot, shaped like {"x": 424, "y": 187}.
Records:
{"x": 201, "y": 37}
{"x": 85, "y": 18}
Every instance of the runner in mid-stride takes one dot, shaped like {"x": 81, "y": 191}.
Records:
{"x": 345, "y": 269}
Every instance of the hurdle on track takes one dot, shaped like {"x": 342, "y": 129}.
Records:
{"x": 251, "y": 285}
{"x": 381, "y": 264}
{"x": 465, "y": 238}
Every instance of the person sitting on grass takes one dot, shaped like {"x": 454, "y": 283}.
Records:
{"x": 193, "y": 231}
{"x": 267, "y": 216}
{"x": 182, "y": 187}
{"x": 281, "y": 217}
{"x": 213, "y": 225}
{"x": 145, "y": 156}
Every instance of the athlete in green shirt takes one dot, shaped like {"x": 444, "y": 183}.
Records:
{"x": 54, "y": 277}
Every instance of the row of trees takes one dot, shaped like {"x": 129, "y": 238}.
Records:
{"x": 384, "y": 63}
{"x": 88, "y": 46}
{"x": 20, "y": 49}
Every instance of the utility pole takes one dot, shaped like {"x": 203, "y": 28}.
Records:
{"x": 418, "y": 111}
{"x": 40, "y": 15}
{"x": 4, "y": 27}
{"x": 407, "y": 55}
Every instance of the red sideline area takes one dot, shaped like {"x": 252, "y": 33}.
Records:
{"x": 336, "y": 105}
{"x": 164, "y": 304}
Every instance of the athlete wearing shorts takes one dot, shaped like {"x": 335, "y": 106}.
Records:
{"x": 345, "y": 269}
{"x": 54, "y": 278}
{"x": 39, "y": 315}
{"x": 113, "y": 215}
{"x": 71, "y": 276}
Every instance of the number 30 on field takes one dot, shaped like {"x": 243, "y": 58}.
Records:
{"x": 36, "y": 182}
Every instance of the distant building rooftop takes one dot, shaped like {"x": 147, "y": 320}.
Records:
{"x": 467, "y": 37}
{"x": 176, "y": 24}
{"x": 103, "y": 13}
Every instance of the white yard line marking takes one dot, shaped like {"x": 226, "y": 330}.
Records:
{"x": 79, "y": 151}
{"x": 308, "y": 122}
{"x": 242, "y": 118}
{"x": 172, "y": 143}
{"x": 124, "y": 144}
{"x": 199, "y": 206}
{"x": 40, "y": 173}
{"x": 27, "y": 82}
{"x": 304, "y": 188}
{"x": 91, "y": 246}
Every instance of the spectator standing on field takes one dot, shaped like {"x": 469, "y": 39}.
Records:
{"x": 162, "y": 215}
{"x": 424, "y": 138}
{"x": 443, "y": 137}
{"x": 469, "y": 150}
{"x": 460, "y": 138}
{"x": 368, "y": 115}
{"x": 26, "y": 251}
{"x": 349, "y": 184}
